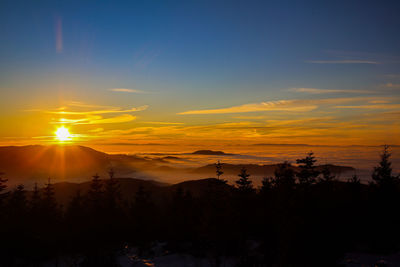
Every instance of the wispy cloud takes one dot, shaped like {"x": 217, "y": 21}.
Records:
{"x": 96, "y": 120}
{"x": 102, "y": 111}
{"x": 392, "y": 85}
{"x": 345, "y": 61}
{"x": 127, "y": 90}
{"x": 280, "y": 105}
{"x": 163, "y": 122}
{"x": 382, "y": 106}
{"x": 329, "y": 91}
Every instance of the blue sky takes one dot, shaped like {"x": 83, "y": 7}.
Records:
{"x": 196, "y": 55}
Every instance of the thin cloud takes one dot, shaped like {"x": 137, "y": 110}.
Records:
{"x": 127, "y": 90}
{"x": 96, "y": 120}
{"x": 347, "y": 61}
{"x": 163, "y": 122}
{"x": 280, "y": 105}
{"x": 329, "y": 91}
{"x": 104, "y": 111}
{"x": 294, "y": 105}
{"x": 384, "y": 106}
{"x": 392, "y": 85}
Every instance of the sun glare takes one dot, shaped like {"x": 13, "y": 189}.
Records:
{"x": 62, "y": 134}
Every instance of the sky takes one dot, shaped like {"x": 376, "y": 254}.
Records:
{"x": 200, "y": 72}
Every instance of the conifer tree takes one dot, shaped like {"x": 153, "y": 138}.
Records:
{"x": 143, "y": 216}
{"x": 17, "y": 211}
{"x": 35, "y": 200}
{"x": 218, "y": 169}
{"x": 307, "y": 174}
{"x": 49, "y": 200}
{"x": 244, "y": 184}
{"x": 18, "y": 202}
{"x": 266, "y": 185}
{"x": 95, "y": 194}
{"x": 284, "y": 176}
{"x": 382, "y": 174}
{"x": 49, "y": 205}
{"x": 3, "y": 187}
{"x": 76, "y": 205}
{"x": 112, "y": 192}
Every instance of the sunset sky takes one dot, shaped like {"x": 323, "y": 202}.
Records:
{"x": 200, "y": 72}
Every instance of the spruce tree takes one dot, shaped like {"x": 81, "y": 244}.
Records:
{"x": 18, "y": 202}
{"x": 95, "y": 194}
{"x": 112, "y": 192}
{"x": 244, "y": 184}
{"x": 382, "y": 174}
{"x": 49, "y": 205}
{"x": 284, "y": 176}
{"x": 49, "y": 200}
{"x": 3, "y": 187}
{"x": 35, "y": 200}
{"x": 308, "y": 173}
{"x": 218, "y": 169}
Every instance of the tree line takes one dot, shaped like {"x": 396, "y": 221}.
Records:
{"x": 301, "y": 217}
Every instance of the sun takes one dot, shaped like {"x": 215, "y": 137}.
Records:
{"x": 62, "y": 134}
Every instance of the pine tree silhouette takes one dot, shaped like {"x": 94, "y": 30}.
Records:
{"x": 244, "y": 184}
{"x": 143, "y": 216}
{"x": 218, "y": 169}
{"x": 49, "y": 203}
{"x": 35, "y": 200}
{"x": 3, "y": 187}
{"x": 18, "y": 204}
{"x": 95, "y": 195}
{"x": 112, "y": 192}
{"x": 284, "y": 176}
{"x": 382, "y": 174}
{"x": 307, "y": 174}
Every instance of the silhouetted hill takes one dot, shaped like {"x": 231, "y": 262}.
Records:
{"x": 210, "y": 152}
{"x": 29, "y": 164}
{"x": 71, "y": 163}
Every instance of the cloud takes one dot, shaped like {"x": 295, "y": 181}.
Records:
{"x": 392, "y": 85}
{"x": 97, "y": 130}
{"x": 280, "y": 105}
{"x": 163, "y": 122}
{"x": 127, "y": 90}
{"x": 102, "y": 111}
{"x": 329, "y": 91}
{"x": 96, "y": 120}
{"x": 347, "y": 61}
{"x": 294, "y": 105}
{"x": 383, "y": 106}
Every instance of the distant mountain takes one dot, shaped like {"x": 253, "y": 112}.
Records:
{"x": 28, "y": 164}
{"x": 71, "y": 163}
{"x": 210, "y": 152}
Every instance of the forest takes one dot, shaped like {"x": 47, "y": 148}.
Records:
{"x": 298, "y": 217}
